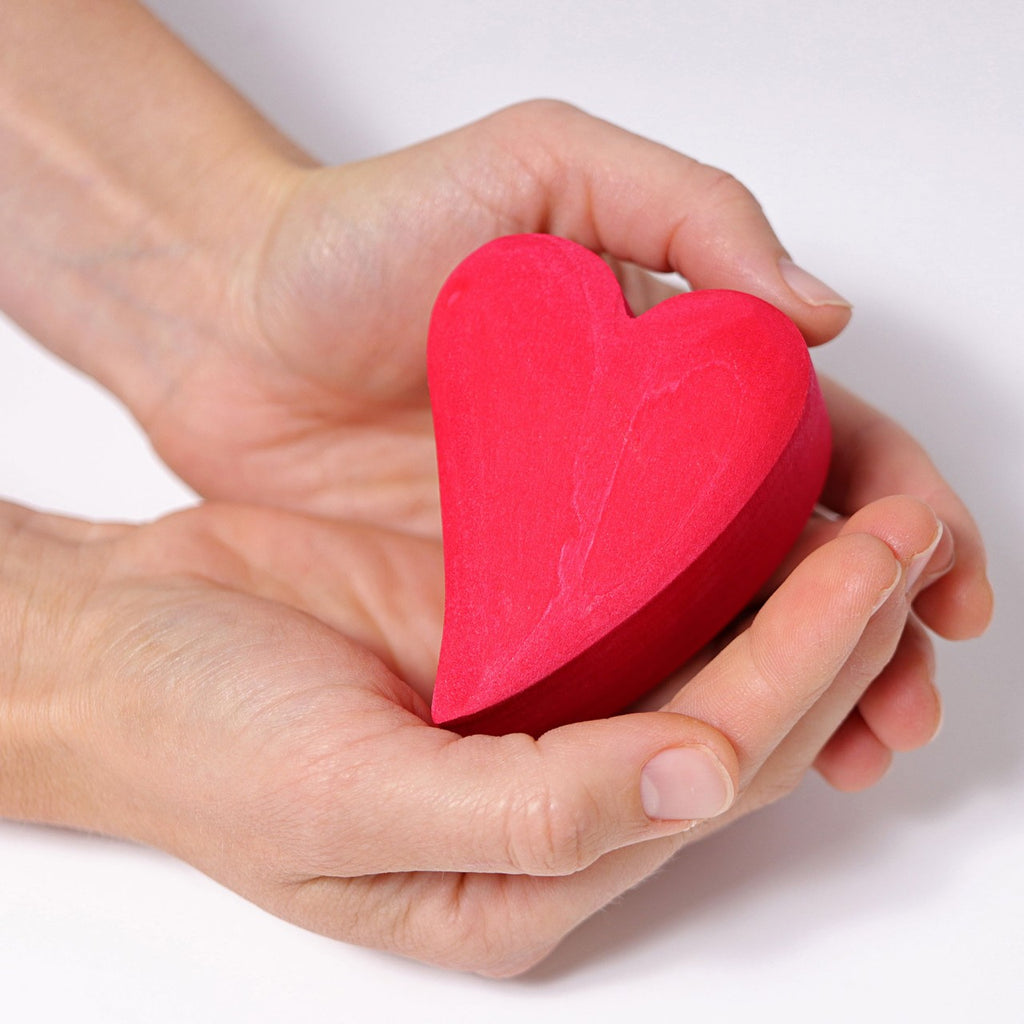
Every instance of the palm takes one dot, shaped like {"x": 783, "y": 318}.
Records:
{"x": 265, "y": 657}
{"x": 319, "y": 403}
{"x": 263, "y": 727}
{"x": 276, "y": 584}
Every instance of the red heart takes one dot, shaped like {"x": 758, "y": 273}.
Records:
{"x": 614, "y": 490}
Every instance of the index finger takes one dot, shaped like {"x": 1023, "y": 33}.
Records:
{"x": 642, "y": 202}
{"x": 766, "y": 679}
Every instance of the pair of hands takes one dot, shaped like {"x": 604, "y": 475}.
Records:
{"x": 246, "y": 684}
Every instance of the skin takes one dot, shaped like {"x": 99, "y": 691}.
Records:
{"x": 246, "y": 683}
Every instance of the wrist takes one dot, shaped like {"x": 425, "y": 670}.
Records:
{"x": 137, "y": 189}
{"x": 51, "y": 748}
{"x": 28, "y": 741}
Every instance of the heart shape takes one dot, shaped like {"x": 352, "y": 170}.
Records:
{"x": 614, "y": 490}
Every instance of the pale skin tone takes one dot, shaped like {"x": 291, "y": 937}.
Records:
{"x": 246, "y": 684}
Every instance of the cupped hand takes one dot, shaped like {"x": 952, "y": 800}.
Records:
{"x": 311, "y": 393}
{"x": 246, "y": 688}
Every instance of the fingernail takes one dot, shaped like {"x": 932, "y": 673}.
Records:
{"x": 684, "y": 784}
{"x": 917, "y": 564}
{"x": 889, "y": 590}
{"x": 938, "y": 725}
{"x": 809, "y": 288}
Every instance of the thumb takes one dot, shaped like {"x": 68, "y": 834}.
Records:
{"x": 434, "y": 801}
{"x": 645, "y": 203}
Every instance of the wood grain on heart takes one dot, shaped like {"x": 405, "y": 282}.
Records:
{"x": 614, "y": 490}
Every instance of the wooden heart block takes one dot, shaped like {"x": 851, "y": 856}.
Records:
{"x": 614, "y": 490}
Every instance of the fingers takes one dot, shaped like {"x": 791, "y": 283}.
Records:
{"x": 771, "y": 676}
{"x": 900, "y": 710}
{"x": 642, "y": 290}
{"x": 645, "y": 203}
{"x": 854, "y": 758}
{"x": 902, "y": 707}
{"x": 873, "y": 457}
{"x": 859, "y": 758}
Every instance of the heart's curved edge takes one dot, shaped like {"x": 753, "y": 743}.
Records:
{"x": 527, "y": 710}
{"x": 578, "y": 260}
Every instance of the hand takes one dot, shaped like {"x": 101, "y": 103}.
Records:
{"x": 874, "y": 457}
{"x": 230, "y": 684}
{"x": 317, "y": 399}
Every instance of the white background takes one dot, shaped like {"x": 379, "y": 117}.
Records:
{"x": 884, "y": 138}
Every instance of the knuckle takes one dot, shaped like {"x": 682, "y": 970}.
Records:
{"x": 775, "y": 668}
{"x": 549, "y": 838}
{"x": 538, "y": 131}
{"x": 723, "y": 189}
{"x": 552, "y": 835}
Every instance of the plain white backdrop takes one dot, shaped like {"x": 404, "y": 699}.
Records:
{"x": 885, "y": 138}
